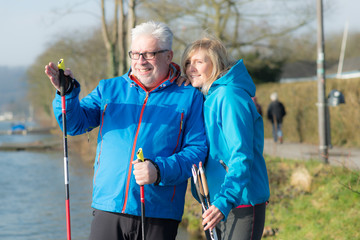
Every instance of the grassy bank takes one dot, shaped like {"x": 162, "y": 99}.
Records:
{"x": 326, "y": 207}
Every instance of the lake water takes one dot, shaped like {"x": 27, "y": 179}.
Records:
{"x": 32, "y": 193}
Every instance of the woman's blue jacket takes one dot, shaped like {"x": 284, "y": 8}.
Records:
{"x": 166, "y": 122}
{"x": 235, "y": 135}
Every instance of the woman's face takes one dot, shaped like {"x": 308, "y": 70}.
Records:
{"x": 198, "y": 68}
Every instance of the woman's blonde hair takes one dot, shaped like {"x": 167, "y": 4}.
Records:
{"x": 217, "y": 53}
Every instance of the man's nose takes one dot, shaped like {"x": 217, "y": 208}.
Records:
{"x": 142, "y": 59}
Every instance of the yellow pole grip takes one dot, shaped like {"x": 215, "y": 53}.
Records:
{"x": 61, "y": 64}
{"x": 140, "y": 154}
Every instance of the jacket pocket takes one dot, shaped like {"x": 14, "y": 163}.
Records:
{"x": 101, "y": 143}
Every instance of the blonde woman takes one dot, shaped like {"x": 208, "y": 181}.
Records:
{"x": 239, "y": 186}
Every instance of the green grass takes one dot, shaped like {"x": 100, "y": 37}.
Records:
{"x": 331, "y": 210}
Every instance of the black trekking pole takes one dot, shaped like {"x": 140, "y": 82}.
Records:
{"x": 62, "y": 79}
{"x": 140, "y": 156}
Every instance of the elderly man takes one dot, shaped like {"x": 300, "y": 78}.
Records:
{"x": 275, "y": 113}
{"x": 145, "y": 109}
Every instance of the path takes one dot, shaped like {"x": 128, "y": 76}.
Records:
{"x": 348, "y": 157}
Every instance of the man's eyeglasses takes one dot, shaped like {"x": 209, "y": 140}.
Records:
{"x": 146, "y": 55}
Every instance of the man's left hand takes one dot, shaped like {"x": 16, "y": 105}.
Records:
{"x": 144, "y": 172}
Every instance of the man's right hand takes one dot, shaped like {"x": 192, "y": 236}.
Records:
{"x": 52, "y": 71}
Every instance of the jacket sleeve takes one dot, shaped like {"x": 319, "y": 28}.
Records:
{"x": 176, "y": 169}
{"x": 237, "y": 121}
{"x": 81, "y": 116}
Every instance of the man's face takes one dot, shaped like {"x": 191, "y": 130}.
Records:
{"x": 150, "y": 72}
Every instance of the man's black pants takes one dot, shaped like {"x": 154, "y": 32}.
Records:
{"x": 118, "y": 226}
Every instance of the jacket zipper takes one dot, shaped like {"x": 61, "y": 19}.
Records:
{"x": 180, "y": 130}
{"x": 98, "y": 160}
{"x": 177, "y": 143}
{"x": 133, "y": 153}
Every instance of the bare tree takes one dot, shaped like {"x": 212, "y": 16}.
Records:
{"x": 238, "y": 23}
{"x": 117, "y": 40}
{"x": 86, "y": 56}
{"x": 110, "y": 39}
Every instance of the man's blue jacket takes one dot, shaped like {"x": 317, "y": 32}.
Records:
{"x": 166, "y": 122}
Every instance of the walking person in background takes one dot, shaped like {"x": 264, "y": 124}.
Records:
{"x": 145, "y": 109}
{"x": 275, "y": 113}
{"x": 235, "y": 134}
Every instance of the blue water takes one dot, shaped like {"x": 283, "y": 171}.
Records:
{"x": 32, "y": 193}
{"x": 32, "y": 203}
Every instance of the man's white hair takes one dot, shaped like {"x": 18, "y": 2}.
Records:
{"x": 274, "y": 96}
{"x": 157, "y": 30}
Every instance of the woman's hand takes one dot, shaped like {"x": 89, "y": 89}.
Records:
{"x": 181, "y": 80}
{"x": 211, "y": 217}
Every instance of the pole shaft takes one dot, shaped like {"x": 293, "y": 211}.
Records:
{"x": 66, "y": 168}
{"x": 68, "y": 225}
{"x": 142, "y": 199}
{"x": 140, "y": 156}
{"x": 322, "y": 107}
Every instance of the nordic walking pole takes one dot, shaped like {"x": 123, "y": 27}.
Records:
{"x": 205, "y": 187}
{"x": 204, "y": 184}
{"x": 140, "y": 156}
{"x": 200, "y": 192}
{"x": 62, "y": 79}
{"x": 194, "y": 171}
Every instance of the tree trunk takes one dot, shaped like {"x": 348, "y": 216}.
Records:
{"x": 110, "y": 44}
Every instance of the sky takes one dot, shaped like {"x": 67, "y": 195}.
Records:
{"x": 28, "y": 27}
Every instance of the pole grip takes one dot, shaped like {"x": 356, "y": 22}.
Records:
{"x": 140, "y": 154}
{"x": 201, "y": 189}
{"x": 197, "y": 184}
{"x": 62, "y": 78}
{"x": 62, "y": 82}
{"x": 203, "y": 180}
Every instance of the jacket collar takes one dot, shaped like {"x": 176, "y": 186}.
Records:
{"x": 174, "y": 73}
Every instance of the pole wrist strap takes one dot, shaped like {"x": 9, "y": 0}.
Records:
{"x": 158, "y": 179}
